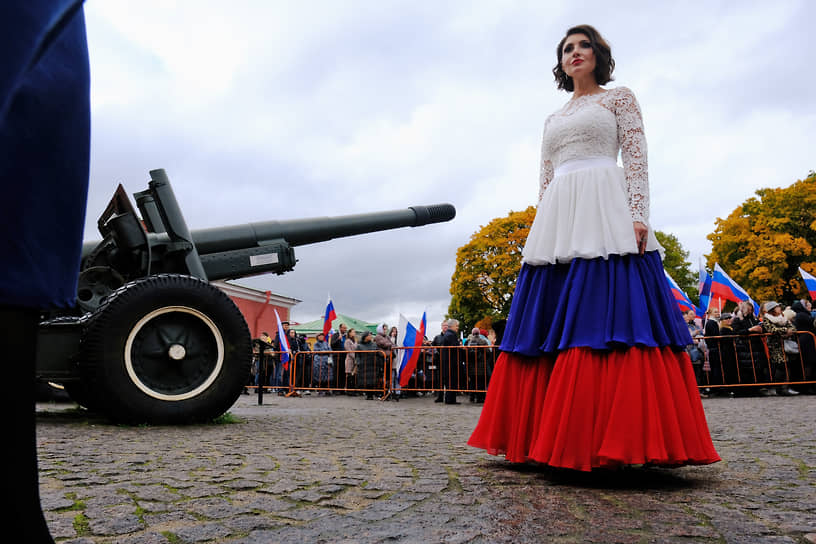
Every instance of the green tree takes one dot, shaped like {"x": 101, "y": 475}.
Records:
{"x": 764, "y": 241}
{"x": 487, "y": 267}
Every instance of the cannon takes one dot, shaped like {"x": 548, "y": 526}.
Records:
{"x": 150, "y": 339}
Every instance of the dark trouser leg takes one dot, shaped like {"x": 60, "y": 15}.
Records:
{"x": 18, "y": 336}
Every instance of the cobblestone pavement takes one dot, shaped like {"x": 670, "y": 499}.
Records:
{"x": 329, "y": 469}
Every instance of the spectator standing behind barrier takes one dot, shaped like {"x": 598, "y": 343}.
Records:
{"x": 694, "y": 350}
{"x": 804, "y": 323}
{"x": 436, "y": 379}
{"x": 750, "y": 346}
{"x": 301, "y": 363}
{"x": 370, "y": 364}
{"x": 450, "y": 358}
{"x": 338, "y": 343}
{"x": 276, "y": 380}
{"x": 476, "y": 365}
{"x": 384, "y": 342}
{"x": 322, "y": 364}
{"x": 728, "y": 351}
{"x": 711, "y": 327}
{"x": 774, "y": 323}
{"x": 350, "y": 363}
{"x": 262, "y": 363}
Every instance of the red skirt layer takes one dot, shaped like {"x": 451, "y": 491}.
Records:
{"x": 589, "y": 409}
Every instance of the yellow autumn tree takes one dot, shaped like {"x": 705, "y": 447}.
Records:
{"x": 486, "y": 269}
{"x": 762, "y": 243}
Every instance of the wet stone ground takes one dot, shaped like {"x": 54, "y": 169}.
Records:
{"x": 344, "y": 469}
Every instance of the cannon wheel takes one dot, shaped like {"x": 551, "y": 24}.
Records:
{"x": 166, "y": 349}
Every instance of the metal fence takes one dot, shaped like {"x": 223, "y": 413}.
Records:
{"x": 756, "y": 360}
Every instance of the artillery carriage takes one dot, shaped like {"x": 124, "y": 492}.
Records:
{"x": 150, "y": 339}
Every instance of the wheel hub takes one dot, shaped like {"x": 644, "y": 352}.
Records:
{"x": 177, "y": 352}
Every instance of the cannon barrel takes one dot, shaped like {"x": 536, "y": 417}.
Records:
{"x": 162, "y": 243}
{"x": 298, "y": 232}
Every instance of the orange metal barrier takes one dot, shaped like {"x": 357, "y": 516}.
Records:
{"x": 732, "y": 361}
{"x": 748, "y": 361}
{"x": 463, "y": 369}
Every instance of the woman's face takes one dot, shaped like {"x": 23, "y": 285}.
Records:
{"x": 777, "y": 310}
{"x": 577, "y": 55}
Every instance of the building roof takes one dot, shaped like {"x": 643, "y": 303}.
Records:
{"x": 316, "y": 326}
{"x": 255, "y": 295}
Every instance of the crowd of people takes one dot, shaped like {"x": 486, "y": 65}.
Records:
{"x": 773, "y": 345}
{"x": 366, "y": 363}
{"x": 741, "y": 349}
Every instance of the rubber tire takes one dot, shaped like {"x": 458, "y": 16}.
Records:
{"x": 195, "y": 309}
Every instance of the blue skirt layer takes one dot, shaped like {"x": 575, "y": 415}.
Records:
{"x": 599, "y": 303}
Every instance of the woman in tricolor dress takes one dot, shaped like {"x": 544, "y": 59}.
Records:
{"x": 622, "y": 391}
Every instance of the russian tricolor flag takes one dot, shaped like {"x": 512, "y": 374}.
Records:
{"x": 409, "y": 337}
{"x": 810, "y": 282}
{"x": 704, "y": 288}
{"x": 329, "y": 316}
{"x": 723, "y": 287}
{"x": 284, "y": 343}
{"x": 683, "y": 302}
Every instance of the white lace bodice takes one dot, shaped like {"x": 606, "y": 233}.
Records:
{"x": 600, "y": 125}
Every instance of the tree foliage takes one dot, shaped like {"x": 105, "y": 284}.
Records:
{"x": 486, "y": 269}
{"x": 762, "y": 243}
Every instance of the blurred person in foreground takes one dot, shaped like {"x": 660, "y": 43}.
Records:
{"x": 44, "y": 156}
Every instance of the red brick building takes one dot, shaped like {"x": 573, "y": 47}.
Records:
{"x": 259, "y": 307}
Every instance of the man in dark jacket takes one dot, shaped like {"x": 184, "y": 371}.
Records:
{"x": 337, "y": 342}
{"x": 436, "y": 381}
{"x": 450, "y": 358}
{"x": 803, "y": 321}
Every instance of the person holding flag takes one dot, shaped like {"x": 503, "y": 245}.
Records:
{"x": 281, "y": 345}
{"x": 328, "y": 317}
{"x": 810, "y": 282}
{"x": 703, "y": 290}
{"x": 683, "y": 301}
{"x": 724, "y": 288}
{"x": 411, "y": 338}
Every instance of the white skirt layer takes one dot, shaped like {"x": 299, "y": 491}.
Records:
{"x": 584, "y": 214}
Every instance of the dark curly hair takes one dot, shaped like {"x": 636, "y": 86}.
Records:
{"x": 604, "y": 63}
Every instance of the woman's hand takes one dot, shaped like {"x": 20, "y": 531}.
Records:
{"x": 641, "y": 233}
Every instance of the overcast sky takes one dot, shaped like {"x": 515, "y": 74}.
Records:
{"x": 265, "y": 110}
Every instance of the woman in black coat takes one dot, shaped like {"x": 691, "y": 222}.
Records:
{"x": 750, "y": 349}
{"x": 370, "y": 365}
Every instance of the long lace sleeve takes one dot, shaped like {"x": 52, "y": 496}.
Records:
{"x": 546, "y": 170}
{"x": 632, "y": 142}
